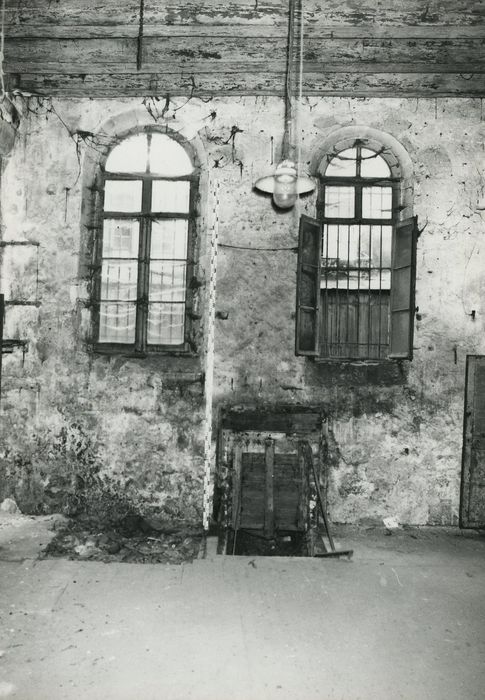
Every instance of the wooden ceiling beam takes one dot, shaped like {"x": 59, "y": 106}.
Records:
{"x": 216, "y": 12}
{"x": 201, "y": 54}
{"x": 351, "y": 84}
{"x": 239, "y": 47}
{"x": 259, "y": 31}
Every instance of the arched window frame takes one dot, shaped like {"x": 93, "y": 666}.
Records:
{"x": 310, "y": 316}
{"x": 97, "y": 213}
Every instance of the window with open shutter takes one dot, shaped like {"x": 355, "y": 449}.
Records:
{"x": 367, "y": 260}
{"x": 308, "y": 287}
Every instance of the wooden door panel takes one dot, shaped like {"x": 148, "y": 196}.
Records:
{"x": 476, "y": 495}
{"x": 472, "y": 506}
{"x": 252, "y": 490}
{"x": 286, "y": 488}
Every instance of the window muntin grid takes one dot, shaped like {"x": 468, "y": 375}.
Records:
{"x": 339, "y": 202}
{"x": 377, "y": 202}
{"x": 358, "y": 162}
{"x": 123, "y": 195}
{"x": 142, "y": 283}
{"x": 357, "y": 200}
{"x": 117, "y": 323}
{"x": 153, "y": 153}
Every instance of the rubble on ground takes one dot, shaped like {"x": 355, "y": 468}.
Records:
{"x": 8, "y": 505}
{"x": 134, "y": 539}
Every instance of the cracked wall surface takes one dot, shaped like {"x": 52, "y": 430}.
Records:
{"x": 133, "y": 428}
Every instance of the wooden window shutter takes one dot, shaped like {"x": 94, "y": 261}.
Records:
{"x": 308, "y": 287}
{"x": 402, "y": 289}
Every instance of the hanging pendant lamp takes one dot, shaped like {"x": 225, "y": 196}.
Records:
{"x": 286, "y": 184}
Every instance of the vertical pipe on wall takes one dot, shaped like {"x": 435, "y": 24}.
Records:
{"x": 209, "y": 360}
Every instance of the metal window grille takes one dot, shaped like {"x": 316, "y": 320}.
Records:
{"x": 357, "y": 204}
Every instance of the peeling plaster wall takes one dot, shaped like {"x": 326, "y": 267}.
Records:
{"x": 395, "y": 432}
{"x": 82, "y": 431}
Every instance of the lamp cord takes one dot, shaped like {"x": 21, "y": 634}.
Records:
{"x": 288, "y": 135}
{"x": 300, "y": 88}
{"x": 291, "y": 142}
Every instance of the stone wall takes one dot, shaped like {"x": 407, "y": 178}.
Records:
{"x": 131, "y": 430}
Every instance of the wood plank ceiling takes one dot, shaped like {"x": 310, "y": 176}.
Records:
{"x": 108, "y": 48}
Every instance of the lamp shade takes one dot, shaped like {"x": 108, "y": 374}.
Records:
{"x": 285, "y": 185}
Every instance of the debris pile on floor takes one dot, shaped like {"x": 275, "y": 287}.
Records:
{"x": 133, "y": 539}
{"x": 8, "y": 505}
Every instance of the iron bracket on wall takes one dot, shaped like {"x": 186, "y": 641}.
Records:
{"x": 10, "y": 344}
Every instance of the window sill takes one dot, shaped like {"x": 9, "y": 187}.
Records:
{"x": 179, "y": 363}
{"x": 383, "y": 372}
{"x": 143, "y": 355}
{"x": 387, "y": 361}
{"x": 129, "y": 351}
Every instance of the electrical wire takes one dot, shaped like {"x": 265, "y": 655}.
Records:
{"x": 288, "y": 132}
{"x": 245, "y": 247}
{"x": 292, "y": 138}
{"x": 300, "y": 88}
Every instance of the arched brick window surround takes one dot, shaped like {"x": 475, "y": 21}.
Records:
{"x": 362, "y": 315}
{"x": 98, "y": 146}
{"x": 385, "y": 144}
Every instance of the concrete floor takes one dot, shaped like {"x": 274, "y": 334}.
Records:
{"x": 404, "y": 619}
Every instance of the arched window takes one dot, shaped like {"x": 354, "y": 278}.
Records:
{"x": 143, "y": 253}
{"x": 364, "y": 287}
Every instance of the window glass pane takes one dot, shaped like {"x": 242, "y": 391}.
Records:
{"x": 168, "y": 195}
{"x": 117, "y": 323}
{"x": 357, "y": 279}
{"x": 364, "y": 247}
{"x": 347, "y": 245}
{"x": 130, "y": 156}
{"x": 371, "y": 279}
{"x": 373, "y": 165}
{"x": 342, "y": 247}
{"x": 165, "y": 324}
{"x": 167, "y": 281}
{"x": 330, "y": 243}
{"x": 381, "y": 246}
{"x": 339, "y": 202}
{"x": 118, "y": 279}
{"x": 377, "y": 202}
{"x": 356, "y": 244}
{"x": 385, "y": 279}
{"x": 120, "y": 238}
{"x": 168, "y": 157}
{"x": 356, "y": 256}
{"x": 169, "y": 239}
{"x": 122, "y": 195}
{"x": 343, "y": 164}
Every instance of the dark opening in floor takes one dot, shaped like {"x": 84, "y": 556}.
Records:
{"x": 284, "y": 543}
